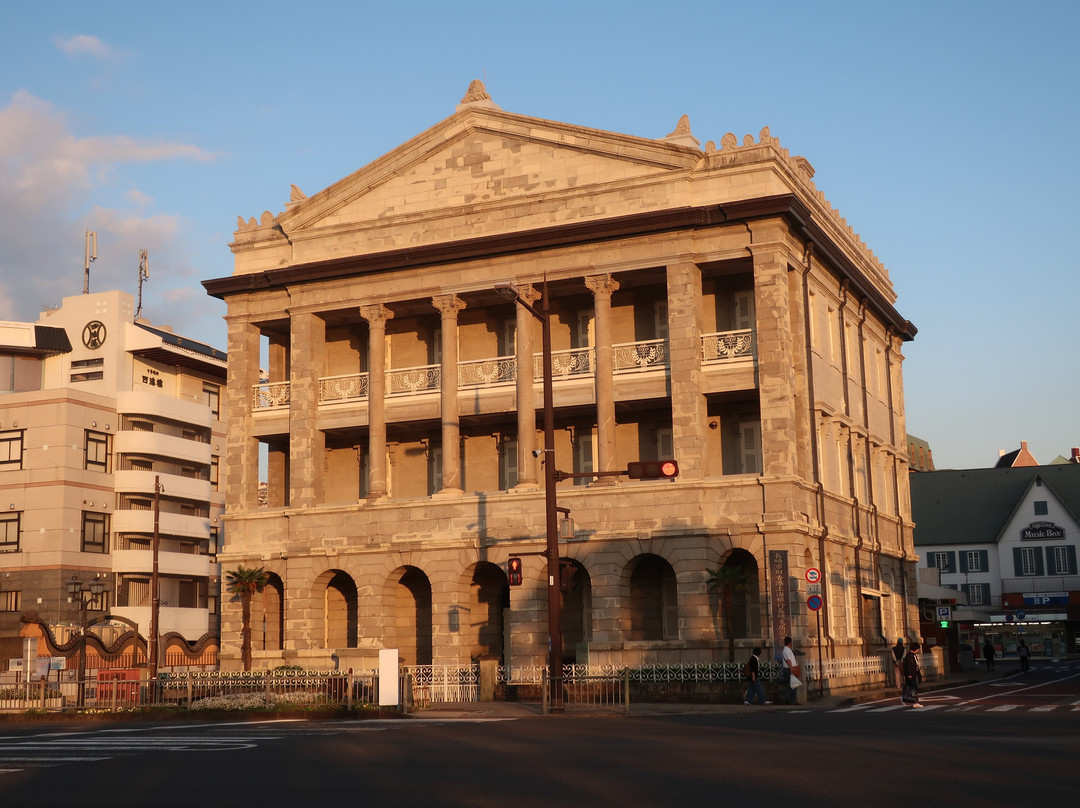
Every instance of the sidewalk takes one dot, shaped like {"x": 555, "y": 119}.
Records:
{"x": 492, "y": 710}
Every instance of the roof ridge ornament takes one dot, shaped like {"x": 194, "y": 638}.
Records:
{"x": 682, "y": 135}
{"x": 477, "y": 96}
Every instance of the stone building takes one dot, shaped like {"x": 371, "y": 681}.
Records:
{"x": 706, "y": 304}
{"x": 96, "y": 407}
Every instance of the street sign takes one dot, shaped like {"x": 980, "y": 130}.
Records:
{"x": 813, "y": 603}
{"x": 1020, "y": 614}
{"x": 813, "y": 575}
{"x": 944, "y": 612}
{"x": 813, "y": 589}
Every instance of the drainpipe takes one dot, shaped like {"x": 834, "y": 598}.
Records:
{"x": 819, "y": 498}
{"x": 847, "y": 412}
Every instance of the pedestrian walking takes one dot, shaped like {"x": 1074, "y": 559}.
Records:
{"x": 898, "y": 652}
{"x": 1024, "y": 653}
{"x": 792, "y": 674}
{"x": 912, "y": 676}
{"x": 988, "y": 654}
{"x": 754, "y": 689}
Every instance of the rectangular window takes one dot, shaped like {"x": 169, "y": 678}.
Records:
{"x": 978, "y": 594}
{"x": 95, "y": 532}
{"x": 97, "y": 451}
{"x": 974, "y": 561}
{"x": 88, "y": 363}
{"x": 1061, "y": 559}
{"x": 11, "y": 448}
{"x": 943, "y": 562}
{"x": 132, "y": 591}
{"x": 215, "y": 473}
{"x": 584, "y": 454}
{"x": 1028, "y": 564}
{"x": 508, "y": 463}
{"x": 10, "y": 601}
{"x": 212, "y": 399}
{"x": 1041, "y": 508}
{"x": 9, "y": 531}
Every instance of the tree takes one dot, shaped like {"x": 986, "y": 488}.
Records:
{"x": 727, "y": 580}
{"x": 243, "y": 583}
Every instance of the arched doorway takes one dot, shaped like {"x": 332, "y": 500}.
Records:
{"x": 576, "y": 611}
{"x": 410, "y": 602}
{"x": 339, "y": 603}
{"x": 484, "y": 615}
{"x": 268, "y": 621}
{"x": 654, "y": 601}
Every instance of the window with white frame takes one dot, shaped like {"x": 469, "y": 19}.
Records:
{"x": 940, "y": 561}
{"x": 1028, "y": 562}
{"x": 974, "y": 561}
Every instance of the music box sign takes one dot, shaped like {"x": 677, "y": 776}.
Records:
{"x": 1042, "y": 530}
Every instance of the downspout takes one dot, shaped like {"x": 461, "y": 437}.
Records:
{"x": 873, "y": 514}
{"x": 819, "y": 496}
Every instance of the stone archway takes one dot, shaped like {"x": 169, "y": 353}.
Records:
{"x": 410, "y": 631}
{"x": 654, "y": 602}
{"x": 576, "y": 611}
{"x": 339, "y": 609}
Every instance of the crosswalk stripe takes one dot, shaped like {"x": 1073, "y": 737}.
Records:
{"x": 1003, "y": 708}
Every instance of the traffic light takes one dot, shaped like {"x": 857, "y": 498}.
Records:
{"x": 513, "y": 567}
{"x": 652, "y": 470}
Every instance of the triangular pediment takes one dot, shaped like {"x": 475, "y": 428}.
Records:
{"x": 482, "y": 157}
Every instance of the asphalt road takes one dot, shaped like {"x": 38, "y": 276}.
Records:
{"x": 1002, "y": 739}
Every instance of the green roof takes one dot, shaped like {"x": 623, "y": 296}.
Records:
{"x": 973, "y": 506}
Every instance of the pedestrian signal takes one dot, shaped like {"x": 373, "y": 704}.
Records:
{"x": 652, "y": 470}
{"x": 944, "y": 623}
{"x": 513, "y": 567}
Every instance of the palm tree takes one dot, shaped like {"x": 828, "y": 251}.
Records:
{"x": 243, "y": 583}
{"x": 728, "y": 580}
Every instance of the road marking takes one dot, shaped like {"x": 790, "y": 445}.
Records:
{"x": 1046, "y": 709}
{"x": 1002, "y": 708}
{"x": 888, "y": 709}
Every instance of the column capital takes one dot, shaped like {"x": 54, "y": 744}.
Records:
{"x": 376, "y": 314}
{"x": 448, "y": 305}
{"x": 602, "y": 285}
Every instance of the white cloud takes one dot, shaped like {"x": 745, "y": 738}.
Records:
{"x": 86, "y": 45}
{"x": 53, "y": 184}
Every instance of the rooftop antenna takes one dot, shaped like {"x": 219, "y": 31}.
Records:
{"x": 144, "y": 275}
{"x": 91, "y": 255}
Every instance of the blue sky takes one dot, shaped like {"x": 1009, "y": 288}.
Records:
{"x": 943, "y": 131}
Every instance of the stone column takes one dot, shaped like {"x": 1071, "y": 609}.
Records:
{"x": 449, "y": 306}
{"x": 688, "y": 410}
{"x": 307, "y": 443}
{"x": 602, "y": 287}
{"x": 775, "y": 358}
{"x": 376, "y": 316}
{"x": 525, "y": 326}
{"x": 241, "y": 467}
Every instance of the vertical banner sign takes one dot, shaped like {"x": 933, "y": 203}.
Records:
{"x": 781, "y": 607}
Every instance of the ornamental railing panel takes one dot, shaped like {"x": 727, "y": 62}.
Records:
{"x": 343, "y": 388}
{"x": 487, "y": 372}
{"x": 573, "y": 362}
{"x": 271, "y": 395}
{"x": 634, "y": 357}
{"x": 727, "y": 346}
{"x": 409, "y": 381}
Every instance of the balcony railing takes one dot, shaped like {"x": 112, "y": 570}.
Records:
{"x": 629, "y": 357}
{"x": 1041, "y": 583}
{"x": 727, "y": 346}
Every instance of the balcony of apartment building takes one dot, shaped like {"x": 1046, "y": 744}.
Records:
{"x": 489, "y": 365}
{"x": 186, "y": 602}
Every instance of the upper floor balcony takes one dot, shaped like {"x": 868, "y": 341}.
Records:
{"x": 631, "y": 360}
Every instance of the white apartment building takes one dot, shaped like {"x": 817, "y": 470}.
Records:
{"x": 97, "y": 409}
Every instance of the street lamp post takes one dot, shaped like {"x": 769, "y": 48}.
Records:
{"x": 86, "y": 593}
{"x": 551, "y": 477}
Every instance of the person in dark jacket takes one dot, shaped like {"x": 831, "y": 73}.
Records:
{"x": 912, "y": 676}
{"x": 898, "y": 652}
{"x": 753, "y": 673}
{"x": 989, "y": 654}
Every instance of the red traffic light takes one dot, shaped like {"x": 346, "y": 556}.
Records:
{"x": 513, "y": 569}
{"x": 652, "y": 470}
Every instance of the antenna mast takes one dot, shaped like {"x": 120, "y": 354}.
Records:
{"x": 91, "y": 255}
{"x": 144, "y": 275}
